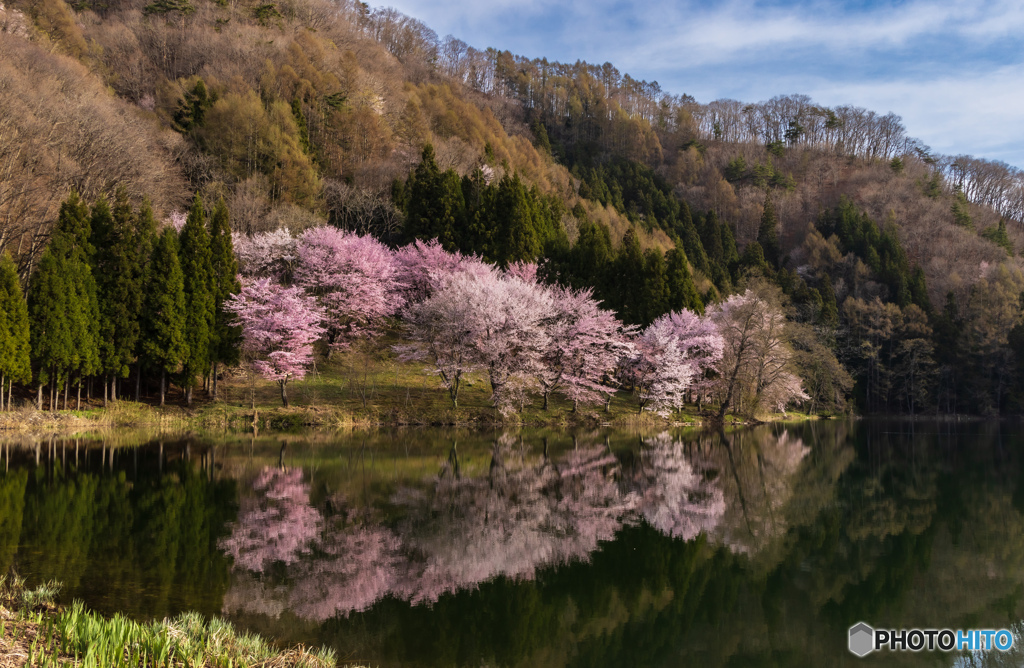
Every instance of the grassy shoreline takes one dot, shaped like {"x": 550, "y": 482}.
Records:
{"x": 356, "y": 391}
{"x": 36, "y": 632}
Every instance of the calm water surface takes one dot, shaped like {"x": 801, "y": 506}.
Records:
{"x": 443, "y": 548}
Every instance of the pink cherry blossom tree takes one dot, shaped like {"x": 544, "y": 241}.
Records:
{"x": 510, "y": 334}
{"x": 703, "y": 345}
{"x": 279, "y": 327}
{"x": 266, "y": 255}
{"x": 354, "y": 277}
{"x": 524, "y": 271}
{"x": 482, "y": 321}
{"x": 659, "y": 373}
{"x": 584, "y": 343}
{"x": 424, "y": 266}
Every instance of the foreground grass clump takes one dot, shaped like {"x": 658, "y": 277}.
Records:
{"x": 36, "y": 633}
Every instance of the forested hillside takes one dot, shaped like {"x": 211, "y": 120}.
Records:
{"x": 893, "y": 265}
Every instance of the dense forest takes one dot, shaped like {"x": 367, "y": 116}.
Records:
{"x": 896, "y": 269}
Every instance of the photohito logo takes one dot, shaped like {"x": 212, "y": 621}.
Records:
{"x": 865, "y": 639}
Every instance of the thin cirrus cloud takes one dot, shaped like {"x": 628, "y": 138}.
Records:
{"x": 952, "y": 69}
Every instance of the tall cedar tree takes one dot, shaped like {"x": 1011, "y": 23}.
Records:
{"x": 145, "y": 238}
{"x": 15, "y": 337}
{"x": 63, "y": 309}
{"x": 682, "y": 293}
{"x": 435, "y": 203}
{"x": 163, "y": 315}
{"x": 767, "y": 234}
{"x": 197, "y": 269}
{"x": 691, "y": 240}
{"x": 50, "y": 330}
{"x": 118, "y": 285}
{"x": 226, "y": 334}
{"x": 625, "y": 298}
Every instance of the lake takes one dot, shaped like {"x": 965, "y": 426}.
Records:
{"x": 432, "y": 547}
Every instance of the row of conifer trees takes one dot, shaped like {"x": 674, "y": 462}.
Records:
{"x": 114, "y": 298}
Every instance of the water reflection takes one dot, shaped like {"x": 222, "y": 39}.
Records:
{"x": 527, "y": 511}
{"x": 439, "y": 548}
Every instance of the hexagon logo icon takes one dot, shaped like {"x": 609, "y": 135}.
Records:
{"x": 862, "y": 639}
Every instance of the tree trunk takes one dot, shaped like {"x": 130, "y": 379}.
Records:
{"x": 138, "y": 381}
{"x": 546, "y": 393}
{"x": 214, "y": 381}
{"x": 39, "y": 397}
{"x": 188, "y": 396}
{"x": 10, "y": 391}
{"x": 3, "y": 380}
{"x": 105, "y": 392}
{"x": 163, "y": 386}
{"x": 284, "y": 392}
{"x": 78, "y": 403}
{"x": 67, "y": 381}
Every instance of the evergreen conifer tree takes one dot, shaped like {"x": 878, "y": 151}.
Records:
{"x": 50, "y": 327}
{"x": 625, "y": 290}
{"x": 145, "y": 242}
{"x": 197, "y": 270}
{"x": 226, "y": 335}
{"x": 654, "y": 297}
{"x": 682, "y": 293}
{"x": 164, "y": 344}
{"x": 691, "y": 240}
{"x": 15, "y": 361}
{"x": 119, "y": 290}
{"x": 70, "y": 251}
{"x": 767, "y": 235}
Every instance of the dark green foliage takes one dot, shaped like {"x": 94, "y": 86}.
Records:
{"x": 767, "y": 233}
{"x": 63, "y": 309}
{"x": 192, "y": 108}
{"x": 633, "y": 189}
{"x": 736, "y": 169}
{"x": 655, "y": 297}
{"x": 166, "y": 6}
{"x": 265, "y": 13}
{"x": 49, "y": 307}
{"x": 540, "y": 136}
{"x": 118, "y": 274}
{"x": 197, "y": 269}
{"x": 627, "y": 284}
{"x": 226, "y": 335}
{"x": 435, "y": 203}
{"x": 999, "y": 237}
{"x": 691, "y": 240}
{"x": 164, "y": 344}
{"x": 15, "y": 337}
{"x": 829, "y": 316}
{"x": 880, "y": 249}
{"x": 753, "y": 258}
{"x": 682, "y": 293}
{"x": 503, "y": 222}
{"x": 961, "y": 211}
{"x": 896, "y": 165}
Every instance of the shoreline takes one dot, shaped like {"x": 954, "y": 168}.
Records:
{"x": 34, "y": 630}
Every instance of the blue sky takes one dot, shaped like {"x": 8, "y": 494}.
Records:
{"x": 954, "y": 70}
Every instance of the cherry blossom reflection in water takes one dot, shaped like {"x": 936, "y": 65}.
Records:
{"x": 527, "y": 513}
